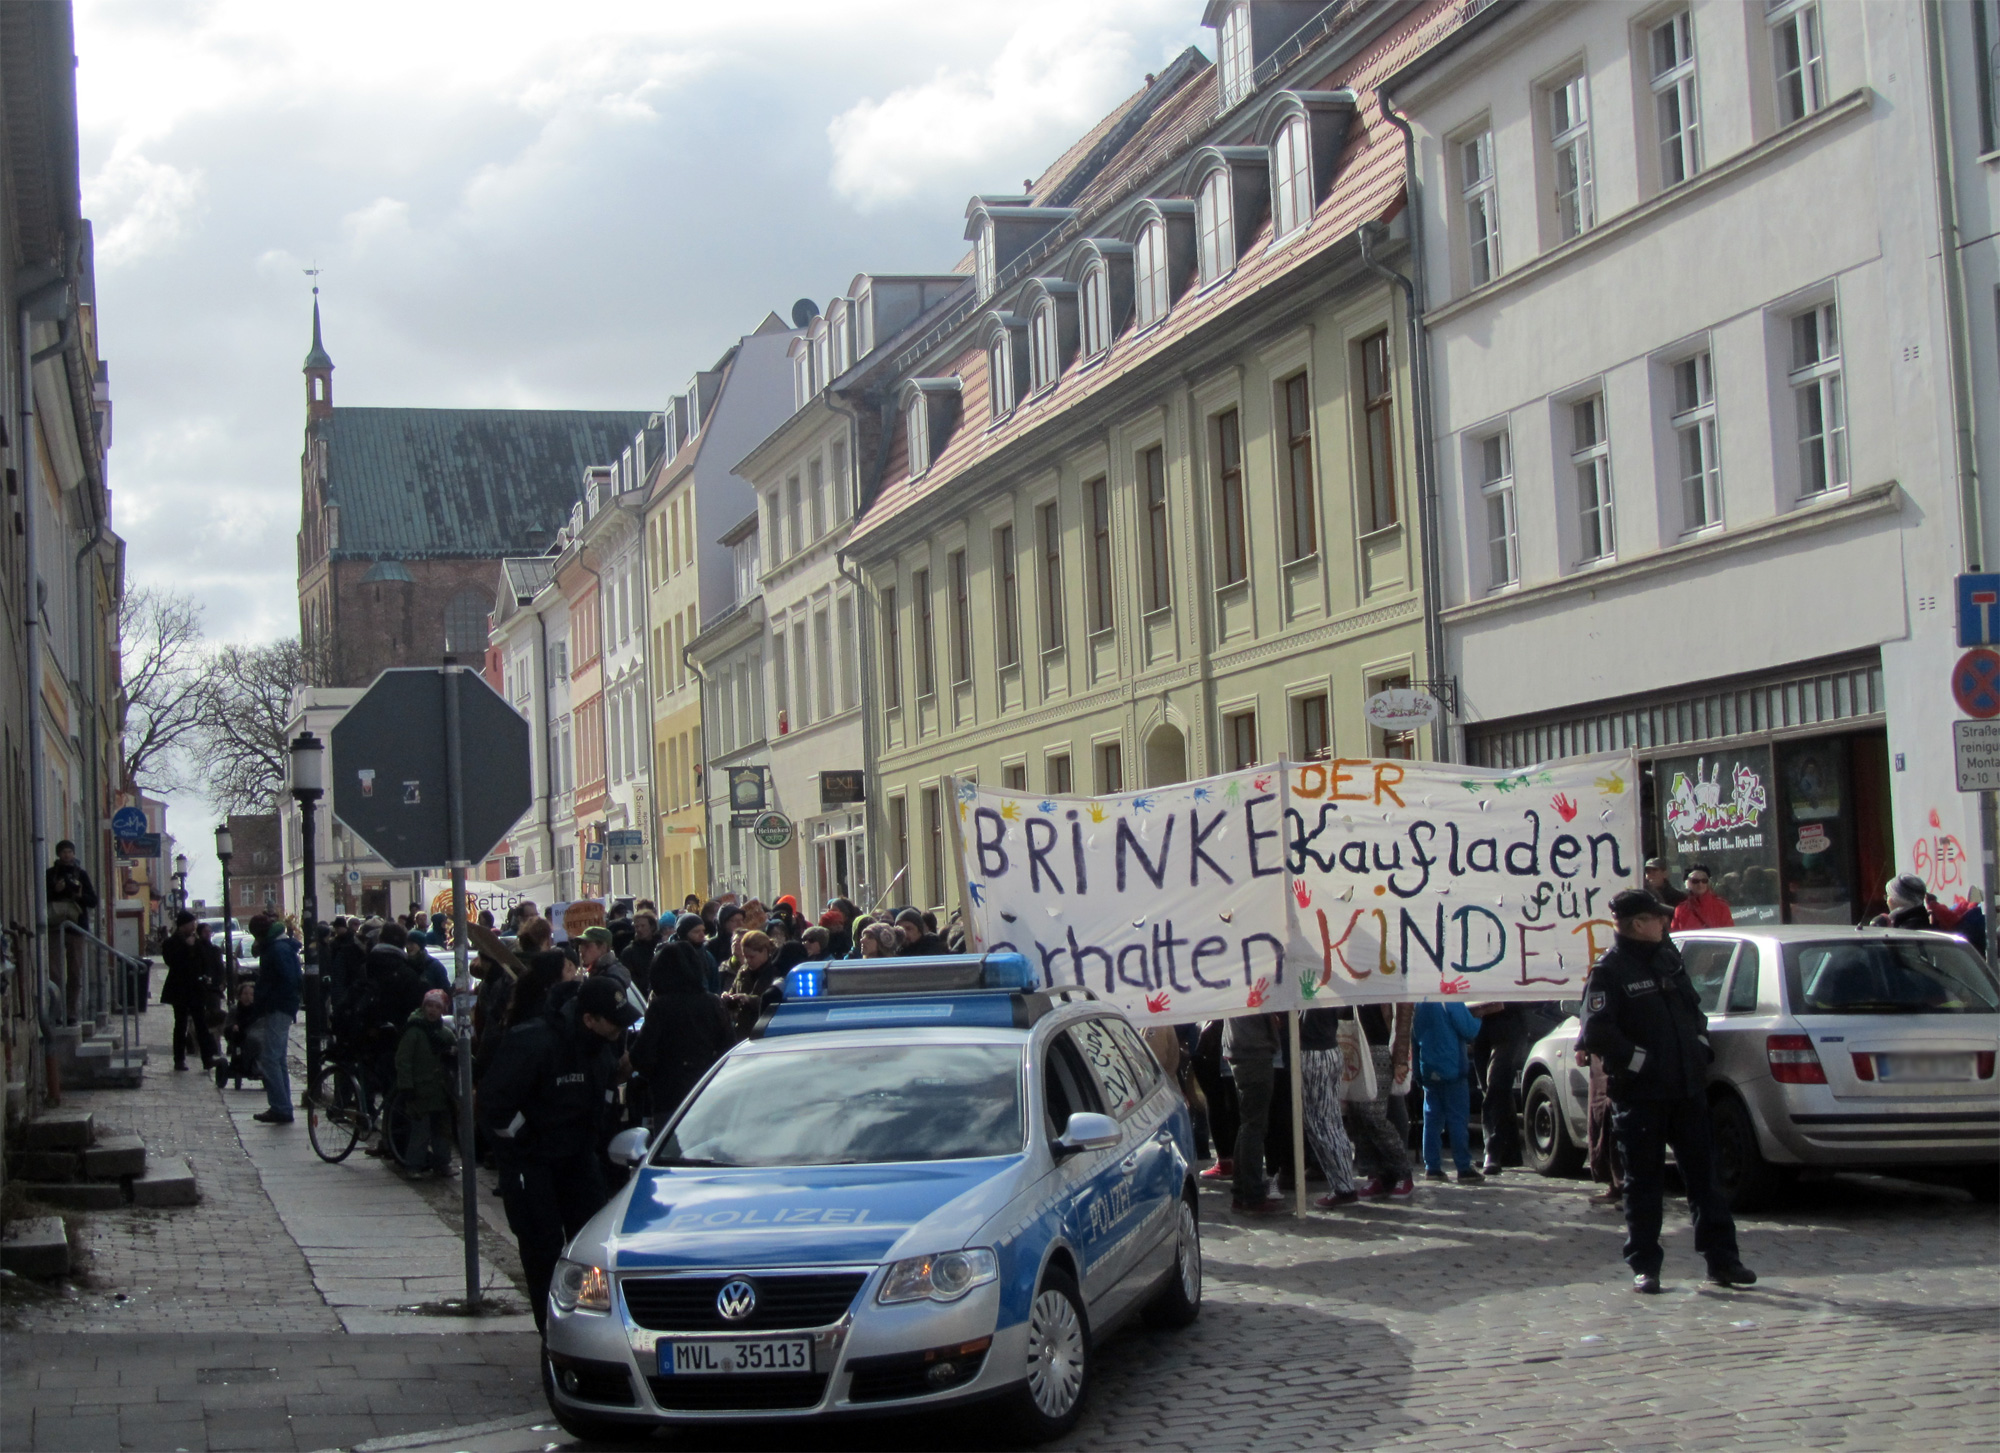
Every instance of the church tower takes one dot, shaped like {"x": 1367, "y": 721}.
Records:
{"x": 319, "y": 374}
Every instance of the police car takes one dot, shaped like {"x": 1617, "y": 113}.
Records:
{"x": 921, "y": 1182}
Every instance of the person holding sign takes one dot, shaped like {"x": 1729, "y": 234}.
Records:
{"x": 1643, "y": 1019}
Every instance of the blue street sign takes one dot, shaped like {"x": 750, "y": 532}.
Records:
{"x": 1979, "y": 610}
{"x": 128, "y": 822}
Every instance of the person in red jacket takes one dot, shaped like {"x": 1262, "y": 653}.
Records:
{"x": 1701, "y": 908}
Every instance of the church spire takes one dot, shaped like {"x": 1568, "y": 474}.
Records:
{"x": 318, "y": 371}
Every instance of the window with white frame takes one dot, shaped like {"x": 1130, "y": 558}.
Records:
{"x": 1291, "y": 174}
{"x": 1150, "y": 274}
{"x": 1217, "y": 243}
{"x": 823, "y": 647}
{"x": 1000, "y": 372}
{"x": 850, "y": 656}
{"x": 1496, "y": 495}
{"x": 1590, "y": 458}
{"x": 1096, "y": 310}
{"x": 1694, "y": 433}
{"x": 1569, "y": 141}
{"x": 843, "y": 499}
{"x": 1676, "y": 102}
{"x": 982, "y": 259}
{"x": 1822, "y": 410}
{"x": 916, "y": 423}
{"x": 1044, "y": 361}
{"x": 794, "y": 518}
{"x": 1479, "y": 191}
{"x": 816, "y": 497}
{"x": 1796, "y": 57}
{"x": 1233, "y": 44}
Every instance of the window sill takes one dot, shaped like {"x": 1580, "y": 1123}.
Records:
{"x": 1157, "y": 613}
{"x": 1104, "y": 633}
{"x": 1299, "y": 562}
{"x": 1702, "y": 532}
{"x": 1383, "y": 535}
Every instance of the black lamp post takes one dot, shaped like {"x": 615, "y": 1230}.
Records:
{"x": 180, "y": 881}
{"x": 225, "y": 849}
{"x": 308, "y": 786}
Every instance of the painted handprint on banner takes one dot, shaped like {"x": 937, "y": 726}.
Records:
{"x": 1302, "y": 893}
{"x": 1565, "y": 806}
{"x": 1259, "y": 992}
{"x": 1159, "y": 1003}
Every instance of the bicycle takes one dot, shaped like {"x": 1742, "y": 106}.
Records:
{"x": 340, "y": 1109}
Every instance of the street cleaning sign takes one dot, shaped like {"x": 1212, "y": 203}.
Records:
{"x": 1305, "y": 884}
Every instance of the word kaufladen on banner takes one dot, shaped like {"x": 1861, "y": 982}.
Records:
{"x": 1345, "y": 881}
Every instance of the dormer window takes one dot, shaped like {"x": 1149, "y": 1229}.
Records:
{"x": 1096, "y": 310}
{"x": 822, "y": 354}
{"x": 930, "y": 412}
{"x": 1044, "y": 347}
{"x": 1291, "y": 179}
{"x": 1150, "y": 274}
{"x": 983, "y": 270}
{"x": 916, "y": 419}
{"x": 1234, "y": 45}
{"x": 1000, "y": 374}
{"x": 1214, "y": 227}
{"x": 802, "y": 379}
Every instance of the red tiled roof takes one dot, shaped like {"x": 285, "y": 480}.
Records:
{"x": 1368, "y": 185}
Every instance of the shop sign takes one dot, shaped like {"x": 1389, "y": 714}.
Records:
{"x": 843, "y": 789}
{"x": 773, "y": 830}
{"x": 1697, "y": 809}
{"x": 1975, "y": 754}
{"x": 746, "y": 821}
{"x": 1401, "y": 709}
{"x": 746, "y": 789}
{"x": 1813, "y": 839}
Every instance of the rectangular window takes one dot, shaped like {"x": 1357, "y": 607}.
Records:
{"x": 1149, "y": 269}
{"x": 1110, "y": 761}
{"x": 1312, "y": 736}
{"x": 1056, "y": 769}
{"x": 1569, "y": 139}
{"x": 960, "y": 621}
{"x": 1233, "y": 43}
{"x": 1097, "y": 494}
{"x": 1049, "y": 527}
{"x": 916, "y": 421}
{"x": 1694, "y": 430}
{"x": 934, "y": 843}
{"x": 1821, "y": 409}
{"x": 850, "y": 657}
{"x": 892, "y": 651}
{"x": 1232, "y": 551}
{"x": 1479, "y": 190}
{"x": 1378, "y": 433}
{"x": 1000, "y": 374}
{"x": 1215, "y": 242}
{"x": 1159, "y": 558}
{"x": 1795, "y": 53}
{"x": 920, "y": 591}
{"x": 1676, "y": 104}
{"x": 1590, "y": 457}
{"x": 1014, "y": 777}
{"x": 843, "y": 499}
{"x": 1496, "y": 493}
{"x": 1301, "y": 519}
{"x": 794, "y": 539}
{"x": 802, "y": 674}
{"x": 1096, "y": 311}
{"x": 823, "y": 649}
{"x": 1291, "y": 179}
{"x": 899, "y": 840}
{"x": 1007, "y": 604}
{"x": 816, "y": 497}
{"x": 1239, "y": 739}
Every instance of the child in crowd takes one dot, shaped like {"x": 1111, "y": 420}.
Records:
{"x": 424, "y": 1059}
{"x": 1441, "y": 1034}
{"x": 240, "y": 1060}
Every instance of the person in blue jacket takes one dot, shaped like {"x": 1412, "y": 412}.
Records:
{"x": 1441, "y": 1034}
{"x": 280, "y": 985}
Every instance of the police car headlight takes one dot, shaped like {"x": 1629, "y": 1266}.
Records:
{"x": 578, "y": 1287}
{"x": 945, "y": 1277}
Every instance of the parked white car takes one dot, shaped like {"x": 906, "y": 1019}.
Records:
{"x": 1835, "y": 1049}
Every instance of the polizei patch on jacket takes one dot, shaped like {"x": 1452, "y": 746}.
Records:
{"x": 1642, "y": 986}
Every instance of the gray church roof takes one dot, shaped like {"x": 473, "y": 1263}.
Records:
{"x": 413, "y": 484}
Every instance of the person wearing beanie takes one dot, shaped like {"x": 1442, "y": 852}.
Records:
{"x": 280, "y": 991}
{"x": 186, "y": 992}
{"x": 1909, "y": 904}
{"x": 425, "y": 1056}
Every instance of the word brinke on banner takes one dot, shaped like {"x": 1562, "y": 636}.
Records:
{"x": 1348, "y": 881}
{"x": 1168, "y": 902}
{"x": 1422, "y": 879}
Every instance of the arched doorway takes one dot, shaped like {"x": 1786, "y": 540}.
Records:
{"x": 1166, "y": 756}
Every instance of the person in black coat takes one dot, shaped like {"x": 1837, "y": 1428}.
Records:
{"x": 637, "y": 952}
{"x": 687, "y": 1028}
{"x": 186, "y": 991}
{"x": 1643, "y": 1020}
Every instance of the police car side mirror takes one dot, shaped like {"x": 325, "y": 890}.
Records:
{"x": 628, "y": 1147}
{"x": 1088, "y": 1130}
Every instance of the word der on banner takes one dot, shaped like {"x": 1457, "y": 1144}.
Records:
{"x": 1168, "y": 902}
{"x": 1425, "y": 879}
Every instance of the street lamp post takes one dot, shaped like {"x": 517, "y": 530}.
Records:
{"x": 308, "y": 786}
{"x": 180, "y": 882}
{"x": 225, "y": 849}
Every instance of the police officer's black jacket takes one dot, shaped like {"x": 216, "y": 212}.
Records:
{"x": 549, "y": 1091}
{"x": 1644, "y": 1022}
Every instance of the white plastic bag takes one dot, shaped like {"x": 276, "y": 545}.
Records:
{"x": 1357, "y": 1064}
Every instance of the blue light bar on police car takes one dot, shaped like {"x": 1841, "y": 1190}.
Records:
{"x": 942, "y": 973}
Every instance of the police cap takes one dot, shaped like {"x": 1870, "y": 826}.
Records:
{"x": 1638, "y": 903}
{"x": 605, "y": 997}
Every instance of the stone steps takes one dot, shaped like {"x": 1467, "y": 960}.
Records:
{"x": 36, "y": 1246}
{"x": 65, "y": 1162}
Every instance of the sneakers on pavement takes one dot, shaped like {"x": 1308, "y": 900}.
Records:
{"x": 1435, "y": 1174}
{"x": 1336, "y": 1200}
{"x": 272, "y": 1117}
{"x": 1222, "y": 1170}
{"x": 1736, "y": 1274}
{"x": 1647, "y": 1283}
{"x": 1492, "y": 1168}
{"x": 1468, "y": 1177}
{"x": 1403, "y": 1189}
{"x": 1268, "y": 1206}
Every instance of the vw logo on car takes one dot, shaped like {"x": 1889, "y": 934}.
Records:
{"x": 736, "y": 1300}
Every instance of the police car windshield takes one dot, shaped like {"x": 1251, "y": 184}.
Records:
{"x": 885, "y": 1103}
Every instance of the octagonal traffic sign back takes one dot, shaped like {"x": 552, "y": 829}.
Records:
{"x": 431, "y": 767}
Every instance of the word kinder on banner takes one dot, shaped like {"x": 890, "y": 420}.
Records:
{"x": 1169, "y": 902}
{"x": 1413, "y": 880}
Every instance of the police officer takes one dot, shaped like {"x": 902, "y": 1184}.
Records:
{"x": 546, "y": 1098}
{"x": 1643, "y": 1021}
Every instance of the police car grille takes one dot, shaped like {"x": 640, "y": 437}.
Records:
{"x": 687, "y": 1303}
{"x": 739, "y": 1393}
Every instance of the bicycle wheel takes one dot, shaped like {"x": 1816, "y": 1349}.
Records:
{"x": 396, "y": 1130}
{"x": 334, "y": 1114}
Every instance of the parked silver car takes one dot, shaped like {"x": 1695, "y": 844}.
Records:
{"x": 1836, "y": 1049}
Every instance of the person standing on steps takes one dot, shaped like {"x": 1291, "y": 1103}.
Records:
{"x": 1643, "y": 1020}
{"x": 71, "y": 898}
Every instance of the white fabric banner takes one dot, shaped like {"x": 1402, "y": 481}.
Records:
{"x": 1282, "y": 887}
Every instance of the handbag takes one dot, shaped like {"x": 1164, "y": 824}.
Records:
{"x": 1357, "y": 1064}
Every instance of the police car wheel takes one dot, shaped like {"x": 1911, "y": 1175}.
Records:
{"x": 1178, "y": 1303}
{"x": 1050, "y": 1401}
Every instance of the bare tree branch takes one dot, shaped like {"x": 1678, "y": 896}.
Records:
{"x": 159, "y": 642}
{"x": 244, "y": 711}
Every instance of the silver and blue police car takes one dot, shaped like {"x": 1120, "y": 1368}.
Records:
{"x": 921, "y": 1182}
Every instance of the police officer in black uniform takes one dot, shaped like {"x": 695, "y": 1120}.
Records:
{"x": 1644, "y": 1021}
{"x": 545, "y": 1102}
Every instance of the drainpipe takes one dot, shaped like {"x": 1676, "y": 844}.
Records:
{"x": 864, "y": 621}
{"x": 548, "y": 745}
{"x": 1965, "y": 459}
{"x": 1369, "y": 235}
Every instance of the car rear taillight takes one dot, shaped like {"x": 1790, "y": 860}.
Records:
{"x": 1984, "y": 1058}
{"x": 1792, "y": 1060}
{"x": 1864, "y": 1066}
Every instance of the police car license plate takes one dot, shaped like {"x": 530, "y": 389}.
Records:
{"x": 705, "y": 1359}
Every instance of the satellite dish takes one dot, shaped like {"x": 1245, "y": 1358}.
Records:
{"x": 803, "y": 312}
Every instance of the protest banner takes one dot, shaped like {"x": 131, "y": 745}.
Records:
{"x": 489, "y": 897}
{"x": 1425, "y": 879}
{"x": 1303, "y": 884}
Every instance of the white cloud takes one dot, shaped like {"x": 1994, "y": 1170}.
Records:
{"x": 139, "y": 205}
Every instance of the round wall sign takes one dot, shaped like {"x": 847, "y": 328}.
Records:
{"x": 1401, "y": 709}
{"x": 772, "y": 829}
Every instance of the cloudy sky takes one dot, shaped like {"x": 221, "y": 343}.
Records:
{"x": 515, "y": 205}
